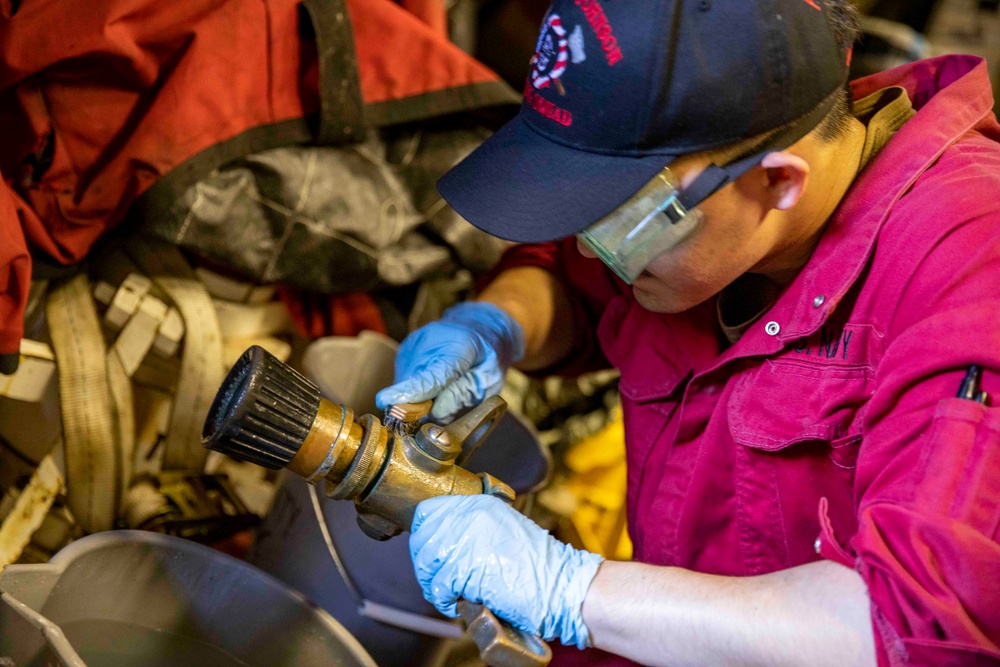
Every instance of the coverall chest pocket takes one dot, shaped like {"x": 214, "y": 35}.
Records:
{"x": 797, "y": 426}
{"x": 785, "y": 401}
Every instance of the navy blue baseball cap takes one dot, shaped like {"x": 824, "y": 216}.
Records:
{"x": 618, "y": 89}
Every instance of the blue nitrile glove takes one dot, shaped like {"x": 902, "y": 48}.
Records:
{"x": 458, "y": 360}
{"x": 481, "y": 549}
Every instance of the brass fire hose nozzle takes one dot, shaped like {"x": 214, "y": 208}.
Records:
{"x": 268, "y": 414}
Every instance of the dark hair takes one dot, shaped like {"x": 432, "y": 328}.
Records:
{"x": 845, "y": 26}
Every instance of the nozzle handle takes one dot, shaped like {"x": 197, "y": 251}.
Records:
{"x": 473, "y": 428}
{"x": 501, "y": 644}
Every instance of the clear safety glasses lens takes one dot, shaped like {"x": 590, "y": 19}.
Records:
{"x": 647, "y": 225}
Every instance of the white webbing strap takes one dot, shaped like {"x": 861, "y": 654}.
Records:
{"x": 201, "y": 371}
{"x": 90, "y": 433}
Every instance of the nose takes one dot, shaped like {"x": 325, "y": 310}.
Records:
{"x": 584, "y": 250}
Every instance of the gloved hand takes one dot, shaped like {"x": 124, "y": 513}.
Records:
{"x": 458, "y": 360}
{"x": 481, "y": 549}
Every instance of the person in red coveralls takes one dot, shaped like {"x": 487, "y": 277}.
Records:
{"x": 797, "y": 279}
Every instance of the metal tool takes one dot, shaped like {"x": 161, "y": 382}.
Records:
{"x": 268, "y": 414}
{"x": 404, "y": 418}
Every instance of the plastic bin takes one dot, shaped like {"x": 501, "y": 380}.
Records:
{"x": 351, "y": 369}
{"x": 127, "y": 598}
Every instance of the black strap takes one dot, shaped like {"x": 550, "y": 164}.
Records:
{"x": 715, "y": 177}
{"x": 707, "y": 183}
{"x": 341, "y": 104}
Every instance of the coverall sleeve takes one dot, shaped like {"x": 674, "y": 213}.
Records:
{"x": 590, "y": 286}
{"x": 928, "y": 473}
{"x": 15, "y": 267}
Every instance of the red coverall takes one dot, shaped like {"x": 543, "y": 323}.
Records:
{"x": 831, "y": 429}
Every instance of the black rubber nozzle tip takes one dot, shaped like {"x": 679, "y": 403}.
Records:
{"x": 263, "y": 412}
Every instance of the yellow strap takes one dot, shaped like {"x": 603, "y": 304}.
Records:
{"x": 120, "y": 386}
{"x": 29, "y": 510}
{"x": 89, "y": 430}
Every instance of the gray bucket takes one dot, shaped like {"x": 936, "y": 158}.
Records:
{"x": 127, "y": 598}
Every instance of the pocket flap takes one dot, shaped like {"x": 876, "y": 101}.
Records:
{"x": 782, "y": 402}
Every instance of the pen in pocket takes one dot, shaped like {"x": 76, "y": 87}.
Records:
{"x": 969, "y": 389}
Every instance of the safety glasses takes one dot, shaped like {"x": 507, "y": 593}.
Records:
{"x": 651, "y": 222}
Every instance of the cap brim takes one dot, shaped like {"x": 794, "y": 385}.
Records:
{"x": 522, "y": 186}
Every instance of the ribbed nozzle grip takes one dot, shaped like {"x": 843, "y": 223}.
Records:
{"x": 263, "y": 411}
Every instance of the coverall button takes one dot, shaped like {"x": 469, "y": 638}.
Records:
{"x": 818, "y": 301}
{"x": 818, "y": 544}
{"x": 772, "y": 328}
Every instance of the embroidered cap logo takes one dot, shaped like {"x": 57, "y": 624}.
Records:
{"x": 551, "y": 55}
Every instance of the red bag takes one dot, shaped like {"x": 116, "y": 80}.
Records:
{"x": 110, "y": 108}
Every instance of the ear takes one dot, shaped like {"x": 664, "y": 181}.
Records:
{"x": 787, "y": 175}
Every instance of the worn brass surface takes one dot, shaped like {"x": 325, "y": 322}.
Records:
{"x": 366, "y": 465}
{"x": 333, "y": 441}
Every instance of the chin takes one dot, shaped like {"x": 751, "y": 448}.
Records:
{"x": 658, "y": 303}
{"x": 653, "y": 294}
